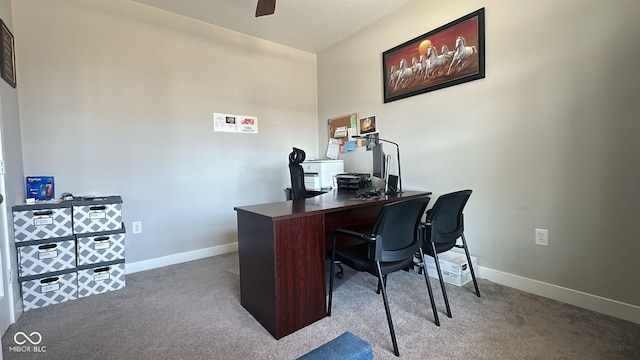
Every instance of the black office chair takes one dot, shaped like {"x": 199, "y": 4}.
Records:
{"x": 298, "y": 189}
{"x": 444, "y": 226}
{"x": 390, "y": 247}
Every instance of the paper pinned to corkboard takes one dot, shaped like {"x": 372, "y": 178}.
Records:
{"x": 338, "y": 125}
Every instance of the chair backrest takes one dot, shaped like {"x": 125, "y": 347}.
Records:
{"x": 298, "y": 190}
{"x": 396, "y": 229}
{"x": 446, "y": 218}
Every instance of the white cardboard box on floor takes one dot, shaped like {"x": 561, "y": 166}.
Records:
{"x": 454, "y": 267}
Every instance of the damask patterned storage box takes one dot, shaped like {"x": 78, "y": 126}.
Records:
{"x": 97, "y": 214}
{"x": 42, "y": 257}
{"x": 100, "y": 279}
{"x": 100, "y": 247}
{"x": 49, "y": 290}
{"x": 42, "y": 221}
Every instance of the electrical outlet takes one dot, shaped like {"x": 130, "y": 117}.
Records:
{"x": 542, "y": 237}
{"x": 136, "y": 227}
{"x": 9, "y": 275}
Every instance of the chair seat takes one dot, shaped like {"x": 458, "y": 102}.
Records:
{"x": 357, "y": 257}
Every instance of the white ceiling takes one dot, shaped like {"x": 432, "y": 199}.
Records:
{"x": 309, "y": 25}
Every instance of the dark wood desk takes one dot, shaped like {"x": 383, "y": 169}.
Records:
{"x": 282, "y": 248}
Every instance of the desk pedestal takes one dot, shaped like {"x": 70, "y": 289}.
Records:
{"x": 282, "y": 271}
{"x": 282, "y": 250}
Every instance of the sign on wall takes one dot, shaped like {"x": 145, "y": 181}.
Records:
{"x": 245, "y": 124}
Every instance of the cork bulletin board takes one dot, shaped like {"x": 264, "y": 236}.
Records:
{"x": 348, "y": 121}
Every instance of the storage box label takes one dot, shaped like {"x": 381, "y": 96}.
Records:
{"x": 41, "y": 221}
{"x": 101, "y": 245}
{"x": 49, "y": 287}
{"x": 50, "y": 254}
{"x": 96, "y": 215}
{"x": 101, "y": 276}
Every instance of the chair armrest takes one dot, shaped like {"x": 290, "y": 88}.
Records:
{"x": 354, "y": 234}
{"x": 315, "y": 192}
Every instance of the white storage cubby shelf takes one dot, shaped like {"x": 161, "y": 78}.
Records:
{"x": 69, "y": 249}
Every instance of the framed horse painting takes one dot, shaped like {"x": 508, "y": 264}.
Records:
{"x": 449, "y": 55}
{"x": 7, "y": 55}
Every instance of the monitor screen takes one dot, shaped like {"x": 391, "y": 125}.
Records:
{"x": 378, "y": 162}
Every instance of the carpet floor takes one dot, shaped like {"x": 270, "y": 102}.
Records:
{"x": 192, "y": 311}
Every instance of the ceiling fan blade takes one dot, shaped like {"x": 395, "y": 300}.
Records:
{"x": 265, "y": 7}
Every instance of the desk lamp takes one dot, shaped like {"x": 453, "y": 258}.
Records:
{"x": 374, "y": 137}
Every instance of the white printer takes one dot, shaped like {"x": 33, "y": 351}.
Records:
{"x": 319, "y": 174}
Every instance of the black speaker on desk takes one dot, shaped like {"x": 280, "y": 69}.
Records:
{"x": 392, "y": 184}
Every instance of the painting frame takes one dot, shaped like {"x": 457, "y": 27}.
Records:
{"x": 430, "y": 68}
{"x": 8, "y": 55}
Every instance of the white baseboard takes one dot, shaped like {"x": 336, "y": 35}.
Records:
{"x": 569, "y": 296}
{"x": 573, "y": 297}
{"x": 180, "y": 258}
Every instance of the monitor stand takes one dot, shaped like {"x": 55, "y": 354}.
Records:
{"x": 387, "y": 162}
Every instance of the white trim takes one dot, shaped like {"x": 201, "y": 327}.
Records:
{"x": 569, "y": 296}
{"x": 180, "y": 258}
{"x": 581, "y": 299}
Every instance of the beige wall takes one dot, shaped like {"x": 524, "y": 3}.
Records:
{"x": 12, "y": 182}
{"x": 549, "y": 139}
{"x": 117, "y": 98}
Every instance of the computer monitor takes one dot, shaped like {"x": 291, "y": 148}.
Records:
{"x": 379, "y": 160}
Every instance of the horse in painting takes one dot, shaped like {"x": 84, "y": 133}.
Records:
{"x": 461, "y": 55}
{"x": 436, "y": 62}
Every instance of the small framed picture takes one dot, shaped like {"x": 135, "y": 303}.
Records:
{"x": 8, "y": 67}
{"x": 368, "y": 124}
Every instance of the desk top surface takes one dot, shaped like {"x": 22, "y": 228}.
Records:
{"x": 331, "y": 201}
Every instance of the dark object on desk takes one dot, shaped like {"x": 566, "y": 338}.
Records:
{"x": 371, "y": 191}
{"x": 353, "y": 181}
{"x": 444, "y": 226}
{"x": 392, "y": 184}
{"x": 390, "y": 247}
{"x": 298, "y": 189}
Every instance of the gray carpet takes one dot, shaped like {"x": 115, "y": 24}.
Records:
{"x": 193, "y": 311}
